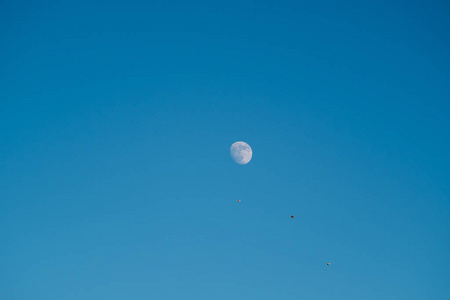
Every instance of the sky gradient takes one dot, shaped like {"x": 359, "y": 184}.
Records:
{"x": 116, "y": 120}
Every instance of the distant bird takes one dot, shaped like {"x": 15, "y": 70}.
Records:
{"x": 239, "y": 201}
{"x": 292, "y": 217}
{"x": 328, "y": 263}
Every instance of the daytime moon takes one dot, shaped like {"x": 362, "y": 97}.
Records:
{"x": 241, "y": 153}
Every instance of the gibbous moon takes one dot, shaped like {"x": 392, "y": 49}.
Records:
{"x": 241, "y": 152}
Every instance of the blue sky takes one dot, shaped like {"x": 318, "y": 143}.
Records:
{"x": 116, "y": 119}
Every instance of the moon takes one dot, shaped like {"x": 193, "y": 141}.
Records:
{"x": 241, "y": 153}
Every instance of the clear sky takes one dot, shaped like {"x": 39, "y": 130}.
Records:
{"x": 116, "y": 119}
